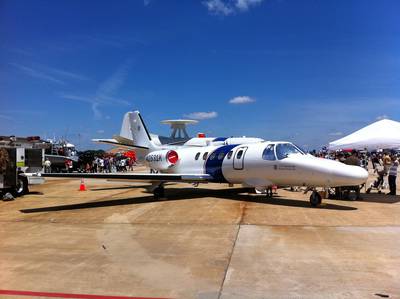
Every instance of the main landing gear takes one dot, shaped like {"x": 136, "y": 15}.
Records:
{"x": 159, "y": 192}
{"x": 315, "y": 199}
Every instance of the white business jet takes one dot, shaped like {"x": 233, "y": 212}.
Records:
{"x": 259, "y": 165}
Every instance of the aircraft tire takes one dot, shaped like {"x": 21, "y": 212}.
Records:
{"x": 315, "y": 199}
{"x": 159, "y": 192}
{"x": 249, "y": 190}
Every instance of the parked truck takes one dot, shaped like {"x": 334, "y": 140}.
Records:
{"x": 21, "y": 162}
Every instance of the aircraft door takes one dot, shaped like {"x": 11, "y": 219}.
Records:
{"x": 238, "y": 159}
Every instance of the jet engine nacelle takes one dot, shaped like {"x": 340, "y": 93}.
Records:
{"x": 161, "y": 160}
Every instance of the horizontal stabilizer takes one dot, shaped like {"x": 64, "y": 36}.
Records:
{"x": 123, "y": 140}
{"x": 128, "y": 145}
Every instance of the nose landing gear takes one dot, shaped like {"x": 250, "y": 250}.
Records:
{"x": 315, "y": 199}
{"x": 266, "y": 191}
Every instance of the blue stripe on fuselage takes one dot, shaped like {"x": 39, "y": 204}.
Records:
{"x": 213, "y": 166}
{"x": 220, "y": 139}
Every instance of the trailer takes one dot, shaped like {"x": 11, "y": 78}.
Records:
{"x": 21, "y": 164}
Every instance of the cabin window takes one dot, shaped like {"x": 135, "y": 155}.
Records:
{"x": 197, "y": 156}
{"x": 212, "y": 156}
{"x": 284, "y": 150}
{"x": 268, "y": 153}
{"x": 230, "y": 154}
{"x": 239, "y": 154}
{"x": 221, "y": 155}
{"x": 205, "y": 155}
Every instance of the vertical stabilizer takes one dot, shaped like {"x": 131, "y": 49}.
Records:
{"x": 140, "y": 134}
{"x": 134, "y": 129}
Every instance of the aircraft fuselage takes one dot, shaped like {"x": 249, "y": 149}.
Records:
{"x": 258, "y": 165}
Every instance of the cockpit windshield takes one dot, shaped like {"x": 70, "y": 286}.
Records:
{"x": 284, "y": 150}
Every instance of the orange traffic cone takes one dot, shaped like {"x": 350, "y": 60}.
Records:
{"x": 82, "y": 186}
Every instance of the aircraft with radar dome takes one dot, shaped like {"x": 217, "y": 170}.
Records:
{"x": 257, "y": 164}
{"x": 178, "y": 137}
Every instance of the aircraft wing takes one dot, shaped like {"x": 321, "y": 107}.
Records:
{"x": 139, "y": 177}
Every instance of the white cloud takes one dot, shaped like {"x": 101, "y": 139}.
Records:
{"x": 66, "y": 74}
{"x": 380, "y": 117}
{"x": 113, "y": 83}
{"x": 202, "y": 115}
{"x": 229, "y": 7}
{"x": 244, "y": 5}
{"x": 34, "y": 73}
{"x": 48, "y": 73}
{"x": 105, "y": 92}
{"x": 76, "y": 98}
{"x": 218, "y": 7}
{"x": 241, "y": 100}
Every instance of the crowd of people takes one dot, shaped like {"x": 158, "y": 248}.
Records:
{"x": 89, "y": 163}
{"x": 110, "y": 164}
{"x": 385, "y": 164}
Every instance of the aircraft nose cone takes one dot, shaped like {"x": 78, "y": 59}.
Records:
{"x": 348, "y": 175}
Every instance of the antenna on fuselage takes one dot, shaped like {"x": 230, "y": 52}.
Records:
{"x": 178, "y": 127}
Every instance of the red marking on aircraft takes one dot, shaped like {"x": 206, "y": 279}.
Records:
{"x": 65, "y": 295}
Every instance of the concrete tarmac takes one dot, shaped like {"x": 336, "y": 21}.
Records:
{"x": 208, "y": 242}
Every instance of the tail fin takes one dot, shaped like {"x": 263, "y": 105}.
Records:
{"x": 134, "y": 131}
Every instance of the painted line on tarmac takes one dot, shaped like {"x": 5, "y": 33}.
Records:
{"x": 65, "y": 295}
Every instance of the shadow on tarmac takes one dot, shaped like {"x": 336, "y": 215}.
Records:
{"x": 116, "y": 188}
{"x": 125, "y": 187}
{"x": 380, "y": 198}
{"x": 35, "y": 193}
{"x": 237, "y": 194}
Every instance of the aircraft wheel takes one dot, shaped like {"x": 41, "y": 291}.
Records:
{"x": 159, "y": 192}
{"x": 315, "y": 199}
{"x": 249, "y": 190}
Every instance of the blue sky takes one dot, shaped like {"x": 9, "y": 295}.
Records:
{"x": 305, "y": 71}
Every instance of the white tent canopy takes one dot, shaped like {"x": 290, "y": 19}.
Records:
{"x": 383, "y": 134}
